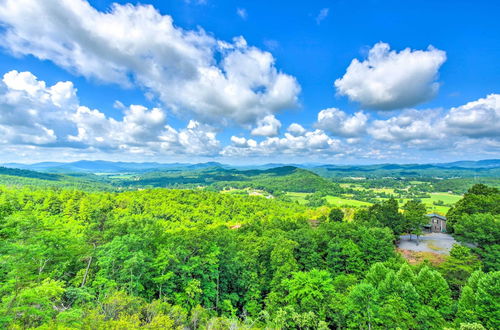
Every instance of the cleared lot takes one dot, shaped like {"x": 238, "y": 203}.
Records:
{"x": 432, "y": 242}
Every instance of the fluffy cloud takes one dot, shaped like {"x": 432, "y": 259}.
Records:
{"x": 296, "y": 129}
{"x": 339, "y": 123}
{"x": 389, "y": 80}
{"x": 267, "y": 126}
{"x": 35, "y": 116}
{"x": 144, "y": 131}
{"x": 475, "y": 123}
{"x": 309, "y": 143}
{"x": 197, "y": 139}
{"x": 192, "y": 72}
{"x": 32, "y": 113}
{"x": 241, "y": 142}
{"x": 139, "y": 126}
{"x": 412, "y": 126}
{"x": 476, "y": 119}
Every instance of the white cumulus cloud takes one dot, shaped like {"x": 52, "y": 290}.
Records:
{"x": 296, "y": 129}
{"x": 389, "y": 80}
{"x": 34, "y": 114}
{"x": 309, "y": 143}
{"x": 31, "y": 112}
{"x": 479, "y": 118}
{"x": 475, "y": 123}
{"x": 142, "y": 130}
{"x": 339, "y": 123}
{"x": 413, "y": 127}
{"x": 190, "y": 71}
{"x": 267, "y": 126}
{"x": 36, "y": 117}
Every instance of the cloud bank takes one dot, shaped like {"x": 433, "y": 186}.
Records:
{"x": 35, "y": 115}
{"x": 32, "y": 113}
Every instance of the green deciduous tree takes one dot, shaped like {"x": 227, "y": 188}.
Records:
{"x": 310, "y": 291}
{"x": 362, "y": 306}
{"x": 414, "y": 217}
{"x": 336, "y": 215}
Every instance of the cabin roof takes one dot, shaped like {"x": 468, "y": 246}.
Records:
{"x": 434, "y": 215}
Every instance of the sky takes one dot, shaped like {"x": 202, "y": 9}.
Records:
{"x": 247, "y": 82}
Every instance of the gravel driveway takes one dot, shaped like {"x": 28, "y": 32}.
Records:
{"x": 432, "y": 242}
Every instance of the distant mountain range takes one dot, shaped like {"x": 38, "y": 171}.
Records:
{"x": 99, "y": 166}
{"x": 487, "y": 163}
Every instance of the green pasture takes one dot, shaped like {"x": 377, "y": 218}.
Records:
{"x": 339, "y": 201}
{"x": 334, "y": 200}
{"x": 298, "y": 196}
{"x": 448, "y": 200}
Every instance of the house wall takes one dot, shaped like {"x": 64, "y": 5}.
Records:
{"x": 437, "y": 225}
{"x": 443, "y": 225}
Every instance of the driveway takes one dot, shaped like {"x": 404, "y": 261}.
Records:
{"x": 432, "y": 242}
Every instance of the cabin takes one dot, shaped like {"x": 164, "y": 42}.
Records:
{"x": 437, "y": 223}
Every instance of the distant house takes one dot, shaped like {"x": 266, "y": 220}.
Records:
{"x": 437, "y": 223}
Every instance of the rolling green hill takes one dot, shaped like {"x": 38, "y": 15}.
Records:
{"x": 489, "y": 168}
{"x": 285, "y": 178}
{"x": 19, "y": 177}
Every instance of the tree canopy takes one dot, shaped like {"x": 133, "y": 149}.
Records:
{"x": 168, "y": 258}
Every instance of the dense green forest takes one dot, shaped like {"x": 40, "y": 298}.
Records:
{"x": 485, "y": 168}
{"x": 286, "y": 178}
{"x": 19, "y": 177}
{"x": 173, "y": 259}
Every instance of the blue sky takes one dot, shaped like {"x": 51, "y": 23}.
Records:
{"x": 250, "y": 81}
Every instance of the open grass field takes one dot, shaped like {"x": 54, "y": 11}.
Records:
{"x": 334, "y": 200}
{"x": 297, "y": 196}
{"x": 416, "y": 182}
{"x": 446, "y": 198}
{"x": 339, "y": 201}
{"x": 384, "y": 190}
{"x": 431, "y": 208}
{"x": 245, "y": 192}
{"x": 440, "y": 209}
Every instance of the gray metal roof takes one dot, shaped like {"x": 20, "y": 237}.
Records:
{"x": 434, "y": 215}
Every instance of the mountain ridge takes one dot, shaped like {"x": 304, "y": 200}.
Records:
{"x": 102, "y": 166}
